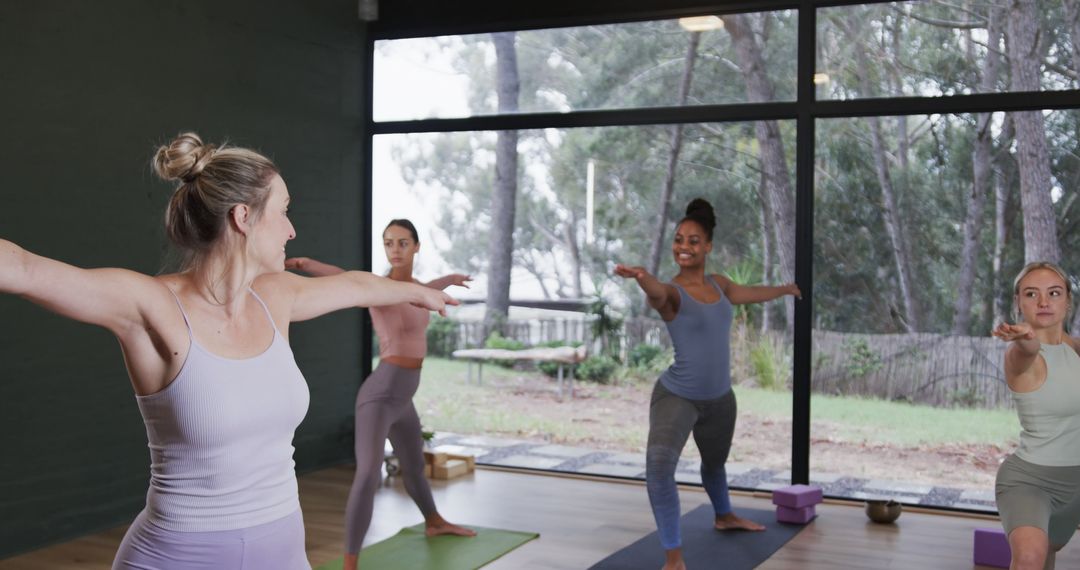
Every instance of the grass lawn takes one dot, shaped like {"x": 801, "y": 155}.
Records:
{"x": 450, "y": 403}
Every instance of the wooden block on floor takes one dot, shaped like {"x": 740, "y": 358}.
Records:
{"x": 452, "y": 468}
{"x": 469, "y": 459}
{"x": 435, "y": 457}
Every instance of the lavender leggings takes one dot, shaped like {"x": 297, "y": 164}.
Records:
{"x": 384, "y": 409}
{"x": 277, "y": 544}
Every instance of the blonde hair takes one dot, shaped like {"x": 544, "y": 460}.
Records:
{"x": 212, "y": 180}
{"x": 1041, "y": 265}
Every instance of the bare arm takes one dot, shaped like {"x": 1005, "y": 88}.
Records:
{"x": 314, "y": 297}
{"x": 1021, "y": 358}
{"x": 312, "y": 267}
{"x": 445, "y": 281}
{"x": 660, "y": 296}
{"x": 112, "y": 298}
{"x": 744, "y": 294}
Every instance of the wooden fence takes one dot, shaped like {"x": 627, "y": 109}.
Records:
{"x": 923, "y": 368}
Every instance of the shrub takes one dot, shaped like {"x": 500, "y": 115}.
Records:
{"x": 552, "y": 368}
{"x": 597, "y": 369}
{"x": 643, "y": 355}
{"x": 763, "y": 362}
{"x": 442, "y": 336}
{"x": 497, "y": 340}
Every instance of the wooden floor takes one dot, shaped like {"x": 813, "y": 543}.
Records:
{"x": 581, "y": 521}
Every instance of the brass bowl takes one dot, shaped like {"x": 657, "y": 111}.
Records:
{"x": 883, "y": 511}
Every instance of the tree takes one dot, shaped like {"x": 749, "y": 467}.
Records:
{"x": 504, "y": 194}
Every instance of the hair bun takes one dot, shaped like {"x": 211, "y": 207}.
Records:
{"x": 701, "y": 211}
{"x": 182, "y": 159}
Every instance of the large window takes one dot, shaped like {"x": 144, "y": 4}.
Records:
{"x": 938, "y": 150}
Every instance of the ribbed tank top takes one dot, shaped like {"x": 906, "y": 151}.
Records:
{"x": 220, "y": 438}
{"x": 402, "y": 330}
{"x": 1050, "y": 415}
{"x": 700, "y": 333}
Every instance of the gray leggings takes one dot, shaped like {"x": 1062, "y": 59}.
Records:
{"x": 1041, "y": 496}
{"x": 384, "y": 409}
{"x": 672, "y": 419}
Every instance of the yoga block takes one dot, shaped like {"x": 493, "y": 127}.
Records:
{"x": 800, "y": 515}
{"x": 452, "y": 468}
{"x": 992, "y": 548}
{"x": 435, "y": 458}
{"x": 797, "y": 496}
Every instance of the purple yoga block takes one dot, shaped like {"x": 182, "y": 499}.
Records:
{"x": 797, "y": 496}
{"x": 801, "y": 515}
{"x": 992, "y": 548}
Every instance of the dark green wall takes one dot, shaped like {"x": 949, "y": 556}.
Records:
{"x": 87, "y": 89}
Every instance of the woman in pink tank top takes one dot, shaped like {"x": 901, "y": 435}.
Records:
{"x": 208, "y": 355}
{"x": 384, "y": 407}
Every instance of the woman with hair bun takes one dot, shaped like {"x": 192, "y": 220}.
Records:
{"x": 1038, "y": 486}
{"x": 384, "y": 407}
{"x": 208, "y": 356}
{"x": 694, "y": 394}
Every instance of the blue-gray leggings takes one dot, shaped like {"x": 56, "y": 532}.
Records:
{"x": 671, "y": 419}
{"x": 384, "y": 409}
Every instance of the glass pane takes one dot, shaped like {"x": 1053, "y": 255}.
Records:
{"x": 617, "y": 66}
{"x": 919, "y": 230}
{"x": 565, "y": 245}
{"x": 934, "y": 48}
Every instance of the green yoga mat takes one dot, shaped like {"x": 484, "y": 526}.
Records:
{"x": 411, "y": 549}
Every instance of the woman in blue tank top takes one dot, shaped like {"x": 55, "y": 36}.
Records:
{"x": 208, "y": 356}
{"x": 1038, "y": 486}
{"x": 694, "y": 394}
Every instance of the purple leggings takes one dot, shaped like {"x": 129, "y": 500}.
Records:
{"x": 277, "y": 545}
{"x": 384, "y": 409}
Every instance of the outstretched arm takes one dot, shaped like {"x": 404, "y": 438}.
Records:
{"x": 445, "y": 281}
{"x": 312, "y": 267}
{"x": 1021, "y": 355}
{"x": 116, "y": 299}
{"x": 746, "y": 294}
{"x": 660, "y": 296}
{"x": 314, "y": 297}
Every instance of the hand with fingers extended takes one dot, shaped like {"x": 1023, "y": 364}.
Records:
{"x": 792, "y": 289}
{"x": 1009, "y": 332}
{"x": 435, "y": 300}
{"x": 459, "y": 279}
{"x": 630, "y": 271}
{"x": 295, "y": 263}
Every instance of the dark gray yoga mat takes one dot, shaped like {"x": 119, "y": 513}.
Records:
{"x": 706, "y": 548}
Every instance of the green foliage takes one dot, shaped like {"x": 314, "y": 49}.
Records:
{"x": 767, "y": 364}
{"x": 606, "y": 327}
{"x": 862, "y": 359}
{"x": 496, "y": 340}
{"x": 442, "y": 336}
{"x": 599, "y": 369}
{"x": 552, "y": 368}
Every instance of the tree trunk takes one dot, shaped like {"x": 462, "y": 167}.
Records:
{"x": 673, "y": 157}
{"x": 571, "y": 243}
{"x": 766, "y": 252}
{"x": 1072, "y": 14}
{"x": 1002, "y": 183}
{"x": 912, "y": 318}
{"x": 981, "y": 181}
{"x": 1040, "y": 226}
{"x": 778, "y": 188}
{"x": 504, "y": 195}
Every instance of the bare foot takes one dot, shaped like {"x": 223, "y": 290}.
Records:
{"x": 731, "y": 521}
{"x": 674, "y": 560}
{"x": 350, "y": 562}
{"x": 439, "y": 525}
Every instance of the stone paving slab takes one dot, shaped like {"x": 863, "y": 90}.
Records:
{"x": 528, "y": 461}
{"x": 485, "y": 441}
{"x": 561, "y": 451}
{"x": 613, "y": 470}
{"x": 978, "y": 495}
{"x": 898, "y": 487}
{"x": 632, "y": 458}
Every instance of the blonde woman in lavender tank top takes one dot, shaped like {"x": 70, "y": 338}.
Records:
{"x": 208, "y": 356}
{"x": 384, "y": 407}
